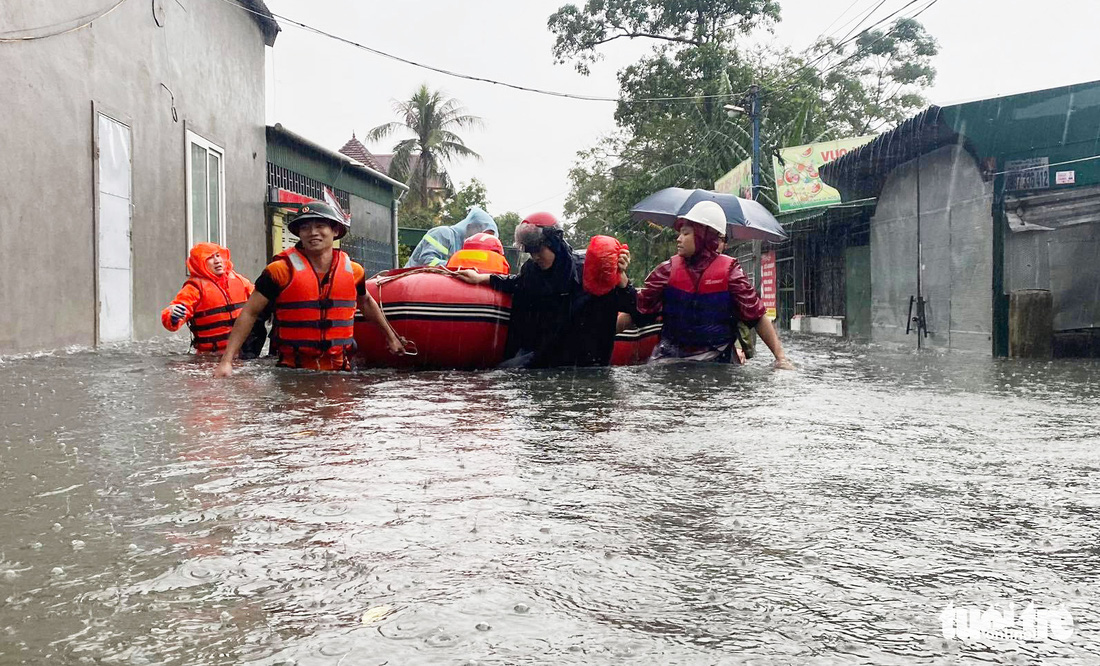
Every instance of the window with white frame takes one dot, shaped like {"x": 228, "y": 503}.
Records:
{"x": 205, "y": 191}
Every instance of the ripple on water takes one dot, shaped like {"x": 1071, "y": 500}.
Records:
{"x": 646, "y": 515}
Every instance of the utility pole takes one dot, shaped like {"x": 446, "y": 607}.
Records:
{"x": 754, "y": 116}
{"x": 753, "y": 103}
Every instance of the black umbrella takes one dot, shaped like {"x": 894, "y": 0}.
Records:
{"x": 745, "y": 219}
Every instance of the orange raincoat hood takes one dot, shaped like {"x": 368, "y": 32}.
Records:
{"x": 196, "y": 262}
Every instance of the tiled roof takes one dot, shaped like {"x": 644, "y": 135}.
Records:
{"x": 357, "y": 151}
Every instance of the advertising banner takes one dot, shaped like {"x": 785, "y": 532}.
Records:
{"x": 768, "y": 283}
{"x": 737, "y": 182}
{"x": 797, "y": 183}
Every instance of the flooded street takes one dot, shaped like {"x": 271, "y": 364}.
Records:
{"x": 673, "y": 515}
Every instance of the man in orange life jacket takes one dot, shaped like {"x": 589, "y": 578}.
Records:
{"x": 315, "y": 288}
{"x": 702, "y": 295}
{"x": 210, "y": 300}
{"x": 482, "y": 252}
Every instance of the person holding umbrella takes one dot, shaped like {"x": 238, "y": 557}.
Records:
{"x": 702, "y": 295}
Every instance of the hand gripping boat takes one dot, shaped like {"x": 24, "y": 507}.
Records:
{"x": 449, "y": 323}
{"x": 452, "y": 324}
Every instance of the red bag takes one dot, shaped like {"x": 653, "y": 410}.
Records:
{"x": 601, "y": 265}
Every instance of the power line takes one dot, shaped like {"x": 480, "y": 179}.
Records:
{"x": 866, "y": 16}
{"x": 885, "y": 34}
{"x": 848, "y": 40}
{"x": 1048, "y": 166}
{"x": 881, "y": 22}
{"x": 471, "y": 77}
{"x": 66, "y": 31}
{"x": 857, "y": 52}
{"x": 846, "y": 23}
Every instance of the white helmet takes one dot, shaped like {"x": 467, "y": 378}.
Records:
{"x": 708, "y": 214}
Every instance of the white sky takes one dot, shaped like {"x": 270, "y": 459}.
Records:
{"x": 529, "y": 142}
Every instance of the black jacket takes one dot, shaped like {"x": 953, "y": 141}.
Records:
{"x": 554, "y": 321}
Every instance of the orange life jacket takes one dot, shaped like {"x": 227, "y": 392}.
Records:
{"x": 316, "y": 324}
{"x": 484, "y": 261}
{"x": 215, "y": 312}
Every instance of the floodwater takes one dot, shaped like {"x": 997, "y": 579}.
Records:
{"x": 673, "y": 515}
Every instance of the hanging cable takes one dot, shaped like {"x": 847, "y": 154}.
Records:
{"x": 85, "y": 24}
{"x": 838, "y": 63}
{"x": 481, "y": 79}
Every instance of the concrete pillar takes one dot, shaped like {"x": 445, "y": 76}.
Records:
{"x": 1030, "y": 323}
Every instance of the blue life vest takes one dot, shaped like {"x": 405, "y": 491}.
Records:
{"x": 699, "y": 314}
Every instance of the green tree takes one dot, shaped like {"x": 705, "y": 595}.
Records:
{"x": 506, "y": 224}
{"x": 433, "y": 119}
{"x": 836, "y": 88}
{"x": 420, "y": 217}
{"x": 458, "y": 205}
{"x": 579, "y": 32}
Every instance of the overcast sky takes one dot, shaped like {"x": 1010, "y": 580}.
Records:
{"x": 529, "y": 142}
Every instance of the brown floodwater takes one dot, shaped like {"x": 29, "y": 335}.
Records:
{"x": 654, "y": 515}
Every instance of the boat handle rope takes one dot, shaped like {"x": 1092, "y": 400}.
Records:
{"x": 380, "y": 279}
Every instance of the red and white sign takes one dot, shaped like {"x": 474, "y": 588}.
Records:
{"x": 330, "y": 199}
{"x": 768, "y": 283}
{"x": 1065, "y": 178}
{"x": 286, "y": 196}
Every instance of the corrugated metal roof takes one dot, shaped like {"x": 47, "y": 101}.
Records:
{"x": 1060, "y": 124}
{"x": 278, "y": 131}
{"x": 844, "y": 209}
{"x": 1044, "y": 211}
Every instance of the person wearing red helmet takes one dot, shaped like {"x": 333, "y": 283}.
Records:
{"x": 483, "y": 252}
{"x": 555, "y": 322}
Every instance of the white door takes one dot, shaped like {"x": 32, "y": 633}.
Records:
{"x": 113, "y": 274}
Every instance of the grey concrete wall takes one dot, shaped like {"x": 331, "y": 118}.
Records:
{"x": 957, "y": 251}
{"x": 371, "y": 220}
{"x": 1062, "y": 259}
{"x": 211, "y": 56}
{"x": 371, "y": 240}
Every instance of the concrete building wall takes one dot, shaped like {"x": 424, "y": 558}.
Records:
{"x": 1056, "y": 249}
{"x": 211, "y": 56}
{"x": 372, "y": 231}
{"x": 956, "y": 251}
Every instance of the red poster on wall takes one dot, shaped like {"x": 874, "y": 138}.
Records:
{"x": 768, "y": 282}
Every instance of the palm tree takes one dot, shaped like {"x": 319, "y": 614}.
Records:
{"x": 431, "y": 117}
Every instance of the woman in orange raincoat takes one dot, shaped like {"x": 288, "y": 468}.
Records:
{"x": 210, "y": 301}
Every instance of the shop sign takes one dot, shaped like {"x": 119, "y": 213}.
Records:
{"x": 737, "y": 182}
{"x": 768, "y": 283}
{"x": 1065, "y": 178}
{"x": 1029, "y": 174}
{"x": 797, "y": 183}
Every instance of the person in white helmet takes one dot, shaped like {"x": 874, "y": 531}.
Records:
{"x": 702, "y": 295}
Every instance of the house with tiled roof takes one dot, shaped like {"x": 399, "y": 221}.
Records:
{"x": 355, "y": 149}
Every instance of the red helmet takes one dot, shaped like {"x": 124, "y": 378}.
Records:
{"x": 484, "y": 241}
{"x": 542, "y": 219}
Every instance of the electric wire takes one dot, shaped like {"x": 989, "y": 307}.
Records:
{"x": 848, "y": 40}
{"x": 481, "y": 79}
{"x": 855, "y": 28}
{"x": 846, "y": 23}
{"x": 1048, "y": 166}
{"x": 66, "y": 31}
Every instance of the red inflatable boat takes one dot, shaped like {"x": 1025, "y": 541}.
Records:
{"x": 452, "y": 324}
